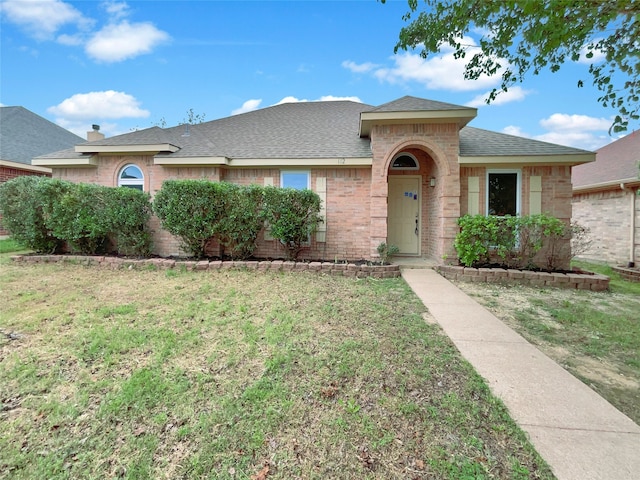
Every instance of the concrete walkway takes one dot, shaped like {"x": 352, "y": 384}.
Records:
{"x": 578, "y": 433}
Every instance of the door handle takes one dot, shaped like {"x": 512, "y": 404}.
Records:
{"x": 417, "y": 230}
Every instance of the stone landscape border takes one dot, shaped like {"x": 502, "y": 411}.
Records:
{"x": 630, "y": 274}
{"x": 580, "y": 281}
{"x": 115, "y": 263}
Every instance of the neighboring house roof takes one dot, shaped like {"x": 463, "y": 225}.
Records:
{"x": 616, "y": 163}
{"x": 25, "y": 135}
{"x": 310, "y": 133}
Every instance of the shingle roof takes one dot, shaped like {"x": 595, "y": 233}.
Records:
{"x": 290, "y": 130}
{"x": 614, "y": 162}
{"x": 25, "y": 135}
{"x": 476, "y": 142}
{"x": 311, "y": 130}
{"x": 414, "y": 104}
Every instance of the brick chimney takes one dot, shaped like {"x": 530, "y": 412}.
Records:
{"x": 95, "y": 133}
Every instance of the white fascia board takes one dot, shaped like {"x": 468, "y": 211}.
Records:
{"x": 91, "y": 161}
{"x": 513, "y": 160}
{"x": 610, "y": 185}
{"x": 171, "y": 161}
{"x": 24, "y": 166}
{"x": 160, "y": 147}
{"x": 302, "y": 162}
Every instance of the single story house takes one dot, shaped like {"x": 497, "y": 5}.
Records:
{"x": 401, "y": 173}
{"x": 605, "y": 199}
{"x": 24, "y": 135}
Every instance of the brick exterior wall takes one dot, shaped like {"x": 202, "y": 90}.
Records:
{"x": 608, "y": 215}
{"x": 356, "y": 198}
{"x": 347, "y": 206}
{"x": 436, "y": 147}
{"x": 8, "y": 173}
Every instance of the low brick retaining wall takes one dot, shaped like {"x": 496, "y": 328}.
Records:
{"x": 326, "y": 268}
{"x": 630, "y": 274}
{"x": 580, "y": 281}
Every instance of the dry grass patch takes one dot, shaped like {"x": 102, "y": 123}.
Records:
{"x": 220, "y": 374}
{"x": 594, "y": 335}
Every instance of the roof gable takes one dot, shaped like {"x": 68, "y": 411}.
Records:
{"x": 25, "y": 135}
{"x": 615, "y": 163}
{"x": 414, "y": 104}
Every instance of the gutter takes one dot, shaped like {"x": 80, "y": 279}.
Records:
{"x": 612, "y": 184}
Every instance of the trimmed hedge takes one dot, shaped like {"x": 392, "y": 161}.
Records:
{"x": 201, "y": 212}
{"x": 292, "y": 216}
{"x": 45, "y": 214}
{"x": 190, "y": 209}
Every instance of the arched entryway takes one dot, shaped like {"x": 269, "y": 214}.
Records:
{"x": 413, "y": 206}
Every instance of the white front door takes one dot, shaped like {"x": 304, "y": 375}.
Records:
{"x": 403, "y": 222}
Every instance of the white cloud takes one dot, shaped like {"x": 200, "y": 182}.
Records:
{"x": 514, "y": 94}
{"x": 43, "y": 18}
{"x": 564, "y": 122}
{"x": 579, "y": 131}
{"x": 514, "y": 130}
{"x": 115, "y": 9}
{"x": 254, "y": 104}
{"x": 359, "y": 68}
{"x": 98, "y": 105}
{"x": 441, "y": 72}
{"x": 324, "y": 98}
{"x": 71, "y": 40}
{"x": 598, "y": 55}
{"x": 248, "y": 106}
{"x": 118, "y": 42}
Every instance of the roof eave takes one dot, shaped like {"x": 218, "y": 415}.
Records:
{"x": 24, "y": 166}
{"x": 171, "y": 161}
{"x": 113, "y": 149}
{"x": 461, "y": 117}
{"x": 566, "y": 159}
{"x": 91, "y": 161}
{"x": 633, "y": 182}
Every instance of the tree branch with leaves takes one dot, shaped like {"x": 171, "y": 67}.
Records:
{"x": 524, "y": 37}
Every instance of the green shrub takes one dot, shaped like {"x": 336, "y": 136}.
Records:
{"x": 129, "y": 211}
{"x": 512, "y": 241}
{"x": 190, "y": 210}
{"x": 81, "y": 218}
{"x": 44, "y": 214}
{"x": 242, "y": 221}
{"x": 25, "y": 204}
{"x": 292, "y": 216}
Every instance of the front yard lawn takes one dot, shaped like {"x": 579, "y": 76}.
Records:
{"x": 594, "y": 335}
{"x": 238, "y": 375}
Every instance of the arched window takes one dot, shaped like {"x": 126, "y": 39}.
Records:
{"x": 404, "y": 161}
{"x": 131, "y": 176}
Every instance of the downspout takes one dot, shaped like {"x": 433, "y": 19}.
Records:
{"x": 634, "y": 199}
{"x": 632, "y": 225}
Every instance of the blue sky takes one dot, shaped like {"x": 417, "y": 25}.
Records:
{"x": 134, "y": 64}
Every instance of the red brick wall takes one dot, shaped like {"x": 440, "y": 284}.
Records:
{"x": 347, "y": 209}
{"x": 437, "y": 146}
{"x": 8, "y": 173}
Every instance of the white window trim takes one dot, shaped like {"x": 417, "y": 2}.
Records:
{"x": 296, "y": 172}
{"x": 518, "y": 172}
{"x": 124, "y": 182}
{"x": 405, "y": 154}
